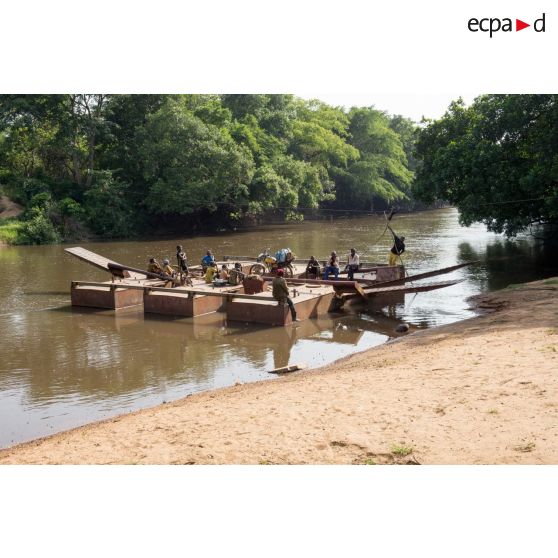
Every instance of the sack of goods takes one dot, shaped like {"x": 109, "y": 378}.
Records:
{"x": 283, "y": 255}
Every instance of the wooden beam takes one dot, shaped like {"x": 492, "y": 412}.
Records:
{"x": 184, "y": 290}
{"x": 240, "y": 258}
{"x": 325, "y": 282}
{"x": 177, "y": 290}
{"x": 98, "y": 261}
{"x": 117, "y": 284}
{"x": 286, "y": 369}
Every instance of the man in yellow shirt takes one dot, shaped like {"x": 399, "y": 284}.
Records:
{"x": 211, "y": 272}
{"x": 167, "y": 269}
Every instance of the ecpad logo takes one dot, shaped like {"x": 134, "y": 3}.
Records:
{"x": 494, "y": 24}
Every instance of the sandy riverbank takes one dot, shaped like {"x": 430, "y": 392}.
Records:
{"x": 480, "y": 391}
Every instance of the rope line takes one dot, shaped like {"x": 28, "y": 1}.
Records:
{"x": 518, "y": 201}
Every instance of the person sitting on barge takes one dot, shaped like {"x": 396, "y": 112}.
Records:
{"x": 332, "y": 266}
{"x": 224, "y": 273}
{"x": 168, "y": 270}
{"x": 211, "y": 273}
{"x": 207, "y": 260}
{"x": 154, "y": 266}
{"x": 313, "y": 268}
{"x": 236, "y": 276}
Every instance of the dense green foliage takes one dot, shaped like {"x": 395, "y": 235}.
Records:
{"x": 496, "y": 161}
{"x": 118, "y": 165}
{"x": 380, "y": 172}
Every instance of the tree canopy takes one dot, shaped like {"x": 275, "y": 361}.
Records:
{"x": 122, "y": 165}
{"x": 118, "y": 165}
{"x": 496, "y": 161}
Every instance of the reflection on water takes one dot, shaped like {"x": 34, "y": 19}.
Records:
{"x": 62, "y": 367}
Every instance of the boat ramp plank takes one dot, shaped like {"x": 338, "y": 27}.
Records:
{"x": 98, "y": 261}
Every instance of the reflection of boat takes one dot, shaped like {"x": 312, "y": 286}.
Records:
{"x": 135, "y": 347}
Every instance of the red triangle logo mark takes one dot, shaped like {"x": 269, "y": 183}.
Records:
{"x": 519, "y": 25}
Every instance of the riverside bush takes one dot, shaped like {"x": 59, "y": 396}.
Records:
{"x": 37, "y": 230}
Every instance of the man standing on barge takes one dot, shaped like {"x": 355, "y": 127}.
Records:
{"x": 281, "y": 292}
{"x": 353, "y": 262}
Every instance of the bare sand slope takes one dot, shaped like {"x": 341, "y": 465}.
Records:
{"x": 480, "y": 391}
{"x": 8, "y": 208}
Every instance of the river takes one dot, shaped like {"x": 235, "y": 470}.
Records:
{"x": 62, "y": 367}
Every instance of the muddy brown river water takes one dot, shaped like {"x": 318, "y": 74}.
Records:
{"x": 62, "y": 367}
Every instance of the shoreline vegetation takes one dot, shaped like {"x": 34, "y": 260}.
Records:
{"x": 119, "y": 166}
{"x": 479, "y": 391}
{"x": 124, "y": 166}
{"x": 10, "y": 228}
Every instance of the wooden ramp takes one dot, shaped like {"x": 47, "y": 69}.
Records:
{"x": 99, "y": 261}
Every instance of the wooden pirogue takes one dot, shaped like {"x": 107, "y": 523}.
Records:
{"x": 382, "y": 293}
{"x": 366, "y": 288}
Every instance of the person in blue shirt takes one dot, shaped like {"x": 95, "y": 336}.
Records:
{"x": 207, "y": 260}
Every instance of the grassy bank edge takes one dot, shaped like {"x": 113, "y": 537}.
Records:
{"x": 10, "y": 230}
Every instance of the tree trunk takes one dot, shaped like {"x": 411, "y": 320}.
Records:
{"x": 76, "y": 167}
{"x": 91, "y": 157}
